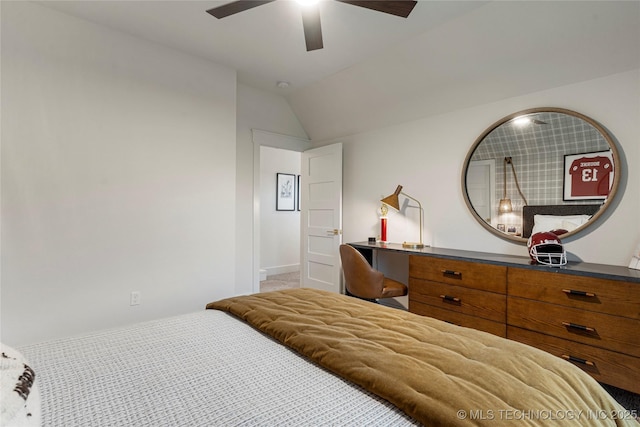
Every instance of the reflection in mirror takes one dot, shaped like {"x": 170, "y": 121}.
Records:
{"x": 559, "y": 163}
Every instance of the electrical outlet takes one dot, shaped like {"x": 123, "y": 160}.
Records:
{"x": 135, "y": 298}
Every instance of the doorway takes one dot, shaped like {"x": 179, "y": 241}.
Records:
{"x": 481, "y": 178}
{"x": 321, "y": 206}
{"x": 279, "y": 216}
{"x": 278, "y": 141}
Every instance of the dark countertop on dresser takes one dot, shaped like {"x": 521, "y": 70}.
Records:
{"x": 603, "y": 271}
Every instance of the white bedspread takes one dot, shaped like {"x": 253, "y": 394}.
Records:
{"x": 201, "y": 369}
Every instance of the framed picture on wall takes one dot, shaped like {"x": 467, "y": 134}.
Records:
{"x": 588, "y": 176}
{"x": 298, "y": 193}
{"x": 285, "y": 192}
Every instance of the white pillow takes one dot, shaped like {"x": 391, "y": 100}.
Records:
{"x": 570, "y": 225}
{"x": 20, "y": 404}
{"x": 552, "y": 222}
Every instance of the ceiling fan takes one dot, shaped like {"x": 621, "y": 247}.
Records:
{"x": 311, "y": 15}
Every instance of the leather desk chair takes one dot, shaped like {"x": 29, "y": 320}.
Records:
{"x": 362, "y": 281}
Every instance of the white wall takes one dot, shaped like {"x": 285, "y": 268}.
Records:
{"x": 116, "y": 153}
{"x": 279, "y": 230}
{"x": 266, "y": 112}
{"x": 426, "y": 156}
{"x": 118, "y": 163}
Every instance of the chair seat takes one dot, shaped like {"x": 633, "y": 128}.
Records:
{"x": 393, "y": 288}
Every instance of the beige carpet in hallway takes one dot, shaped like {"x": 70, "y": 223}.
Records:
{"x": 277, "y": 282}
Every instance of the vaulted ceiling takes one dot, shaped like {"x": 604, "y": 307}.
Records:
{"x": 377, "y": 69}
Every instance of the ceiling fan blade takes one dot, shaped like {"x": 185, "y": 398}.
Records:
{"x": 400, "y": 8}
{"x": 312, "y": 28}
{"x": 235, "y": 7}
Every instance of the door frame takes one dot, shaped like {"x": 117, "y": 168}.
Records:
{"x": 275, "y": 140}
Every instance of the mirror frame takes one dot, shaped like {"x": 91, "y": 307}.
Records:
{"x": 608, "y": 138}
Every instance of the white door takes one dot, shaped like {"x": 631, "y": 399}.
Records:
{"x": 321, "y": 218}
{"x": 481, "y": 188}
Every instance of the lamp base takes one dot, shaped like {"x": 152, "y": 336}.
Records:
{"x": 412, "y": 245}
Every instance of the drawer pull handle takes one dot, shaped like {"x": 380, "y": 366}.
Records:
{"x": 580, "y": 293}
{"x": 577, "y": 360}
{"x": 580, "y": 327}
{"x": 457, "y": 274}
{"x": 450, "y": 298}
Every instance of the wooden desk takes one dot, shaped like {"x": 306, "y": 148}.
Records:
{"x": 586, "y": 313}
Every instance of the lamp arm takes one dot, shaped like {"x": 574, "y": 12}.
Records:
{"x": 421, "y": 211}
{"x": 513, "y": 169}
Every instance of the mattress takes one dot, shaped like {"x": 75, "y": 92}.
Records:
{"x": 201, "y": 369}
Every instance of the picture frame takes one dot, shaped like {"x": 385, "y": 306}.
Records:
{"x": 285, "y": 192}
{"x": 298, "y": 193}
{"x": 588, "y": 176}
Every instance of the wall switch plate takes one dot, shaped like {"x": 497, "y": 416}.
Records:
{"x": 135, "y": 298}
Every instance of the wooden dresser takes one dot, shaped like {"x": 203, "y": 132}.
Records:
{"x": 588, "y": 314}
{"x": 592, "y": 322}
{"x": 460, "y": 292}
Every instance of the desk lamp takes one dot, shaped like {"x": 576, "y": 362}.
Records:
{"x": 393, "y": 202}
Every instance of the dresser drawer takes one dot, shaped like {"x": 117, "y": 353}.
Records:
{"x": 609, "y": 367}
{"x": 486, "y": 277}
{"x": 597, "y": 329}
{"x": 601, "y": 295}
{"x": 488, "y": 305}
{"x": 459, "y": 319}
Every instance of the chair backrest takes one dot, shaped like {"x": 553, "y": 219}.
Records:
{"x": 361, "y": 279}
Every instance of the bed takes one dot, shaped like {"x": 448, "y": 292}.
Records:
{"x": 537, "y": 218}
{"x": 308, "y": 357}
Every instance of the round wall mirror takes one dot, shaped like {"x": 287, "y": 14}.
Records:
{"x": 542, "y": 169}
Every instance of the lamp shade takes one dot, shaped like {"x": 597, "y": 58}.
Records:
{"x": 393, "y": 199}
{"x": 505, "y": 206}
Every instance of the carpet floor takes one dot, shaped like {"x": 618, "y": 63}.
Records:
{"x": 628, "y": 400}
{"x": 277, "y": 282}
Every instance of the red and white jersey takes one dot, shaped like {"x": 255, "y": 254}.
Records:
{"x": 590, "y": 176}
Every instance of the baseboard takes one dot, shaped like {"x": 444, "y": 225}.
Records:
{"x": 281, "y": 269}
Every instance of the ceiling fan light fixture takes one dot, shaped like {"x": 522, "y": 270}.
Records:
{"x": 283, "y": 85}
{"x": 521, "y": 121}
{"x": 311, "y": 13}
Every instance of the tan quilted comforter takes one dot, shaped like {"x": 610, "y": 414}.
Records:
{"x": 437, "y": 373}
